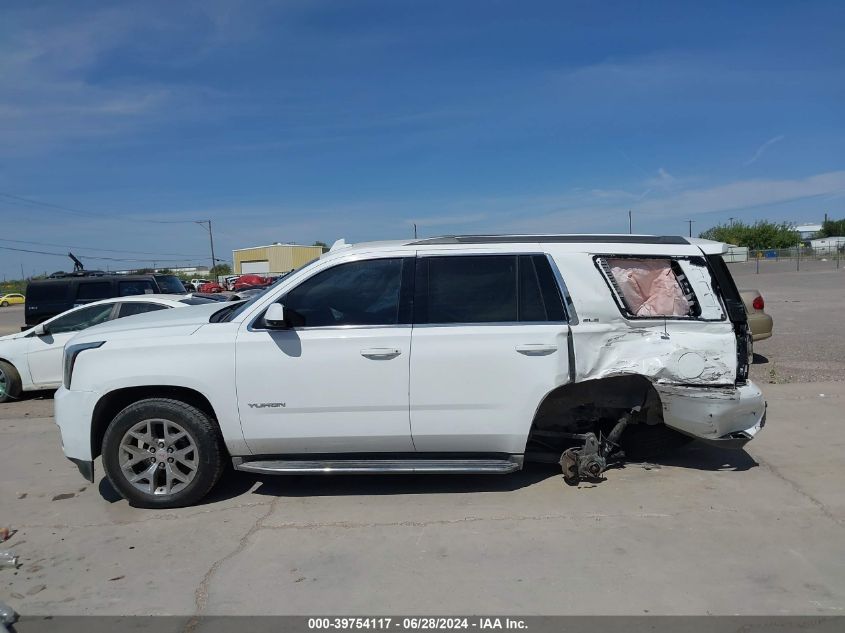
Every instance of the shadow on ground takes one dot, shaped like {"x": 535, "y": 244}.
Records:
{"x": 695, "y": 456}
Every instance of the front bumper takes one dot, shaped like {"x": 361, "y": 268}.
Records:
{"x": 74, "y": 412}
{"x": 728, "y": 416}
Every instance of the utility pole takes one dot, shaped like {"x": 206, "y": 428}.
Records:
{"x": 211, "y": 240}
{"x": 731, "y": 220}
{"x": 630, "y": 223}
{"x": 690, "y": 226}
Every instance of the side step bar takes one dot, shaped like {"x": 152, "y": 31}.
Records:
{"x": 378, "y": 466}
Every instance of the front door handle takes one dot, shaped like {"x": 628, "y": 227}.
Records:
{"x": 381, "y": 353}
{"x": 536, "y": 349}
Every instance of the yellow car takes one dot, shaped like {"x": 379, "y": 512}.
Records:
{"x": 11, "y": 299}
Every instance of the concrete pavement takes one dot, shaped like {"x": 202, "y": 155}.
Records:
{"x": 760, "y": 531}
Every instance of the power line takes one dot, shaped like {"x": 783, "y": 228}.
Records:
{"x": 91, "y": 248}
{"x": 98, "y": 257}
{"x": 60, "y": 207}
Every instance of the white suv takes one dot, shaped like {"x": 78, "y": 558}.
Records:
{"x": 465, "y": 354}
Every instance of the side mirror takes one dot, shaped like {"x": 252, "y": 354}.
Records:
{"x": 39, "y": 330}
{"x": 274, "y": 318}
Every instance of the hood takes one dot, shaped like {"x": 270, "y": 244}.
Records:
{"x": 13, "y": 336}
{"x": 173, "y": 322}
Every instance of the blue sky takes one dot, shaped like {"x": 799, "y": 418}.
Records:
{"x": 307, "y": 120}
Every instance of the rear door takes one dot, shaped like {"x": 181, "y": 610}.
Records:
{"x": 490, "y": 341}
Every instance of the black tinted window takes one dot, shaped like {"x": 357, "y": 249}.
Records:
{"x": 93, "y": 290}
{"x": 137, "y": 307}
{"x": 539, "y": 296}
{"x": 357, "y": 293}
{"x": 487, "y": 289}
{"x": 138, "y": 287}
{"x": 80, "y": 319}
{"x": 49, "y": 291}
{"x": 170, "y": 284}
{"x": 471, "y": 289}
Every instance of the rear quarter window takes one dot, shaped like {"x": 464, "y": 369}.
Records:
{"x": 650, "y": 287}
{"x": 47, "y": 292}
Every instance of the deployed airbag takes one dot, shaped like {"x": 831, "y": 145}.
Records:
{"x": 649, "y": 287}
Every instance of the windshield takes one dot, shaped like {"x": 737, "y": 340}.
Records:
{"x": 246, "y": 304}
{"x": 170, "y": 285}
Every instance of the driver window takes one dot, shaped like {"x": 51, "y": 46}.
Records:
{"x": 357, "y": 293}
{"x": 81, "y": 319}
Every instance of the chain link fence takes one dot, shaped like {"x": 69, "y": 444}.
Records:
{"x": 787, "y": 259}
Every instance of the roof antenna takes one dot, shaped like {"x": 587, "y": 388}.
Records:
{"x": 77, "y": 265}
{"x": 665, "y": 334}
{"x": 415, "y": 230}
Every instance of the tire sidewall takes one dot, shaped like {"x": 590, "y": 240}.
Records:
{"x": 194, "y": 422}
{"x": 13, "y": 382}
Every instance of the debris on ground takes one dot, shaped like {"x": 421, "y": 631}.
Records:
{"x": 7, "y": 616}
{"x": 36, "y": 589}
{"x": 6, "y": 533}
{"x": 8, "y": 559}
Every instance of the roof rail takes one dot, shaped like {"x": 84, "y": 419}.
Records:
{"x": 620, "y": 238}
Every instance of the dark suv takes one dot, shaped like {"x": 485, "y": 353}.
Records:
{"x": 46, "y": 298}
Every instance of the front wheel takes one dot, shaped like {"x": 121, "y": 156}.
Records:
{"x": 10, "y": 382}
{"x": 163, "y": 453}
{"x": 5, "y": 304}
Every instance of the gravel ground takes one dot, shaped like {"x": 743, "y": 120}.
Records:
{"x": 807, "y": 306}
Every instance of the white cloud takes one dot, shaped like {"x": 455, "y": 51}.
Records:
{"x": 761, "y": 150}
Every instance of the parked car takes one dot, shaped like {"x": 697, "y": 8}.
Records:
{"x": 468, "y": 354}
{"x": 46, "y": 298}
{"x": 759, "y": 322}
{"x": 251, "y": 281}
{"x": 210, "y": 296}
{"x": 247, "y": 293}
{"x": 32, "y": 359}
{"x": 13, "y": 298}
{"x": 210, "y": 287}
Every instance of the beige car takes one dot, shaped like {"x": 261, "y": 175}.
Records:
{"x": 759, "y": 322}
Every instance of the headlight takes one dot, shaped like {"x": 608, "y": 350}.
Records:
{"x": 70, "y": 354}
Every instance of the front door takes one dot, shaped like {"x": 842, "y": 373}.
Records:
{"x": 336, "y": 381}
{"x": 44, "y": 353}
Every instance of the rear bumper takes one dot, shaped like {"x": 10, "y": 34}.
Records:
{"x": 760, "y": 325}
{"x": 728, "y": 416}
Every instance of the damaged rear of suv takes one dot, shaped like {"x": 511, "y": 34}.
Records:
{"x": 458, "y": 354}
{"x": 660, "y": 356}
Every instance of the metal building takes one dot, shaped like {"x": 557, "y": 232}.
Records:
{"x": 274, "y": 259}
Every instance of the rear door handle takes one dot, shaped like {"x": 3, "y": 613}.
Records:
{"x": 381, "y": 353}
{"x": 536, "y": 349}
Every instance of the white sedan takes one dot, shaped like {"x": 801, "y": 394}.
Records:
{"x": 32, "y": 359}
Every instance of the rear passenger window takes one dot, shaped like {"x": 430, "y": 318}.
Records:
{"x": 138, "y": 307}
{"x": 486, "y": 289}
{"x": 139, "y": 287}
{"x": 93, "y": 290}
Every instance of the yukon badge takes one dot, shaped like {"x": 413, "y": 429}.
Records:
{"x": 265, "y": 405}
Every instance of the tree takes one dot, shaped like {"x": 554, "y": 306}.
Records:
{"x": 323, "y": 244}
{"x": 832, "y": 228}
{"x": 758, "y": 236}
{"x": 220, "y": 269}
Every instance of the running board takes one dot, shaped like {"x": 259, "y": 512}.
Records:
{"x": 378, "y": 466}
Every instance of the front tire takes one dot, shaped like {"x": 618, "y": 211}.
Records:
{"x": 5, "y": 304}
{"x": 163, "y": 453}
{"x": 10, "y": 382}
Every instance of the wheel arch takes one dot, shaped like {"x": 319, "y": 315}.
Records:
{"x": 575, "y": 403}
{"x": 112, "y": 403}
